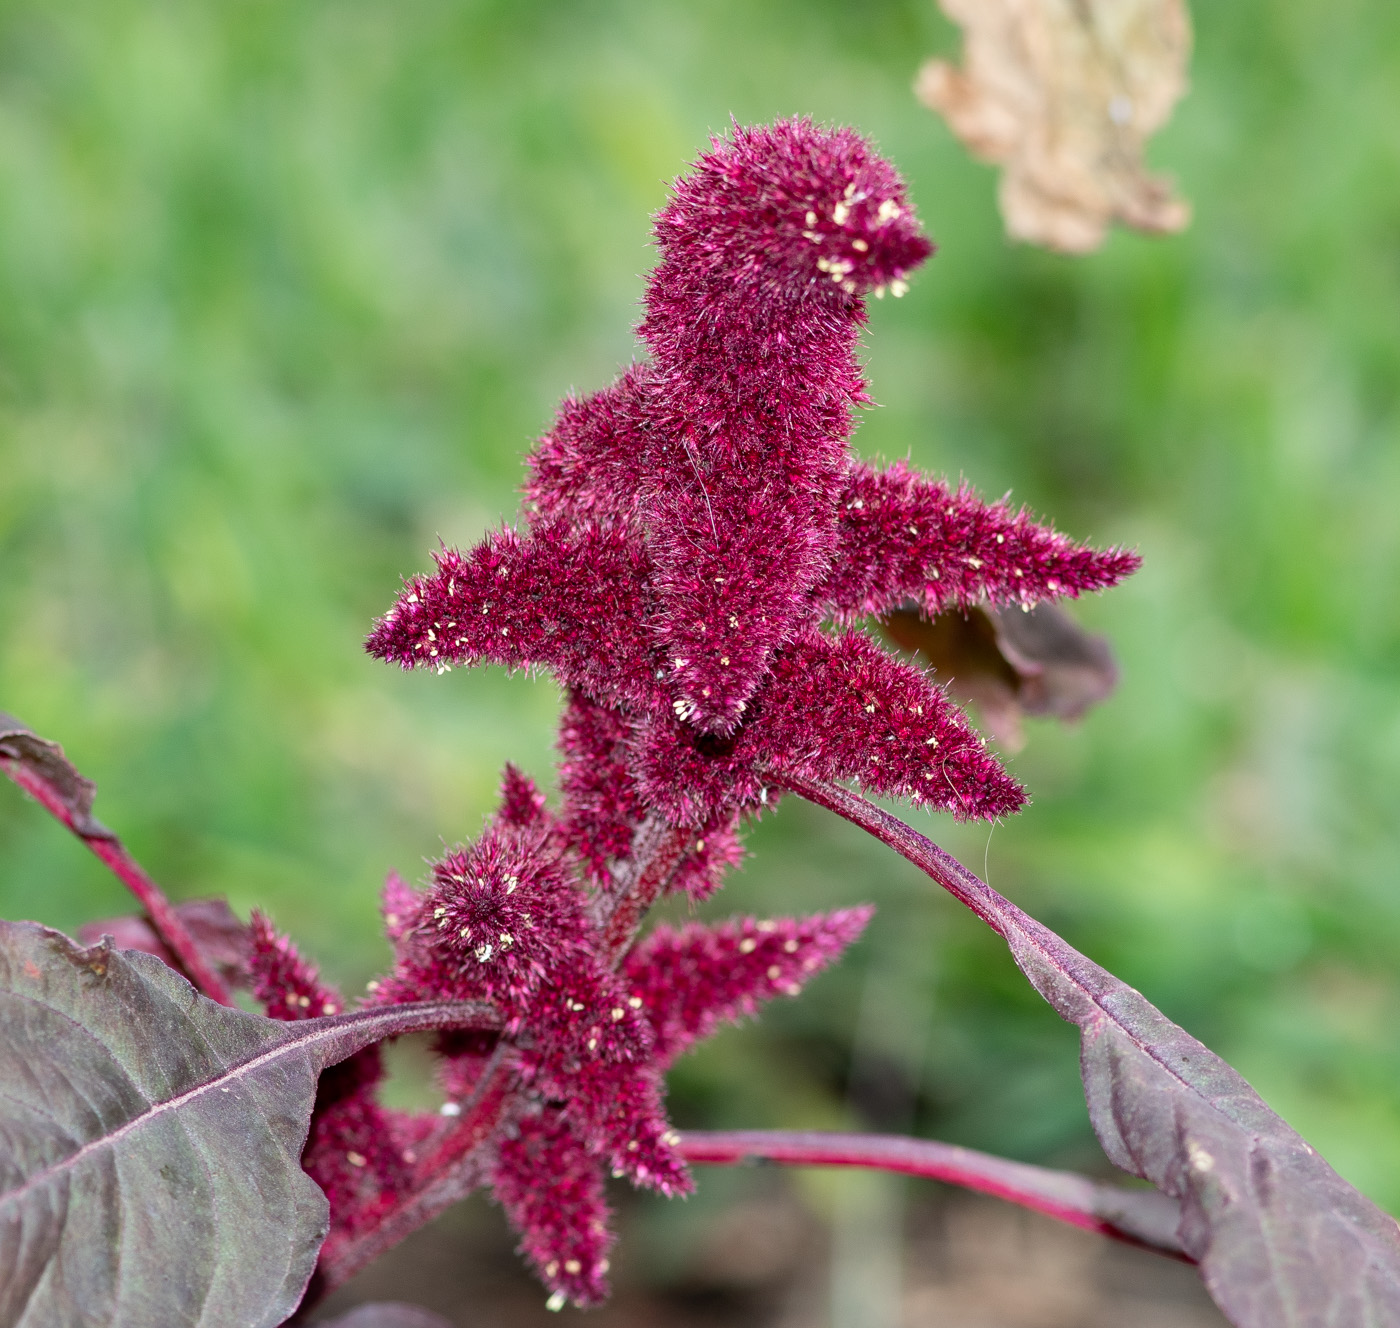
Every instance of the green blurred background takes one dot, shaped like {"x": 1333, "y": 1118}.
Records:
{"x": 288, "y": 286}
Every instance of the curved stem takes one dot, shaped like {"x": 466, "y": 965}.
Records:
{"x": 999, "y": 913}
{"x": 1139, "y": 1217}
{"x": 657, "y": 850}
{"x": 30, "y": 776}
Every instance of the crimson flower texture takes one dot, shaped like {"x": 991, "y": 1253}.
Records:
{"x": 509, "y": 920}
{"x": 698, "y": 553}
{"x": 699, "y": 545}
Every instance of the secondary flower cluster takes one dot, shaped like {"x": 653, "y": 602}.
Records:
{"x": 698, "y": 551}
{"x": 509, "y": 921}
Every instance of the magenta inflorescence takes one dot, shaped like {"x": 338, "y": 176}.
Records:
{"x": 698, "y": 552}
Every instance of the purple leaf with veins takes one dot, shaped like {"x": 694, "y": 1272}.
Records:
{"x": 152, "y": 1139}
{"x": 1282, "y": 1240}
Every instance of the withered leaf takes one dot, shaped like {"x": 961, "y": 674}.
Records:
{"x": 1063, "y": 95}
{"x": 152, "y": 1140}
{"x": 1010, "y": 662}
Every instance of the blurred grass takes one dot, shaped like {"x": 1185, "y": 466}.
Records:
{"x": 287, "y": 288}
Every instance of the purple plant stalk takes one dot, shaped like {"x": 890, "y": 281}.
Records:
{"x": 698, "y": 555}
{"x": 166, "y": 923}
{"x": 1138, "y": 1217}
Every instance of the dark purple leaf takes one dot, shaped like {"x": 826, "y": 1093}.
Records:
{"x": 222, "y": 939}
{"x": 1282, "y": 1240}
{"x": 388, "y": 1314}
{"x": 1011, "y": 662}
{"x": 150, "y": 1167}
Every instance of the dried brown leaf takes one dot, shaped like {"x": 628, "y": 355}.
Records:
{"x": 1064, "y": 94}
{"x": 1010, "y": 662}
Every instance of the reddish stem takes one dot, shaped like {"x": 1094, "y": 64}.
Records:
{"x": 111, "y": 851}
{"x": 657, "y": 850}
{"x": 448, "y": 1174}
{"x": 998, "y": 912}
{"x": 1139, "y": 1217}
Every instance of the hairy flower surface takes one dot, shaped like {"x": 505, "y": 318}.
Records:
{"x": 691, "y": 528}
{"x": 553, "y": 1192}
{"x": 589, "y": 1042}
{"x": 694, "y": 979}
{"x": 501, "y": 915}
{"x": 904, "y": 537}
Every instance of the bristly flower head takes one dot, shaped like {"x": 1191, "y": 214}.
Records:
{"x": 502, "y": 914}
{"x": 784, "y": 213}
{"x": 591, "y": 1034}
{"x": 693, "y": 527}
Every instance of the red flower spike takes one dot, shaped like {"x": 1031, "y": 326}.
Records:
{"x": 627, "y": 1126}
{"x": 905, "y": 537}
{"x": 553, "y": 1192}
{"x": 691, "y": 525}
{"x": 287, "y": 985}
{"x": 833, "y": 709}
{"x": 692, "y": 980}
{"x": 399, "y": 905}
{"x": 752, "y": 317}
{"x": 522, "y": 804}
{"x": 501, "y": 916}
{"x": 728, "y": 450}
{"x": 568, "y": 602}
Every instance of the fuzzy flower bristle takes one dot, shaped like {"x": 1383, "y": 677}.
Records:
{"x": 692, "y": 980}
{"x": 399, "y": 905}
{"x": 522, "y": 803}
{"x": 904, "y": 537}
{"x": 564, "y": 1226}
{"x": 833, "y": 709}
{"x": 501, "y": 914}
{"x": 828, "y": 216}
{"x": 288, "y": 986}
